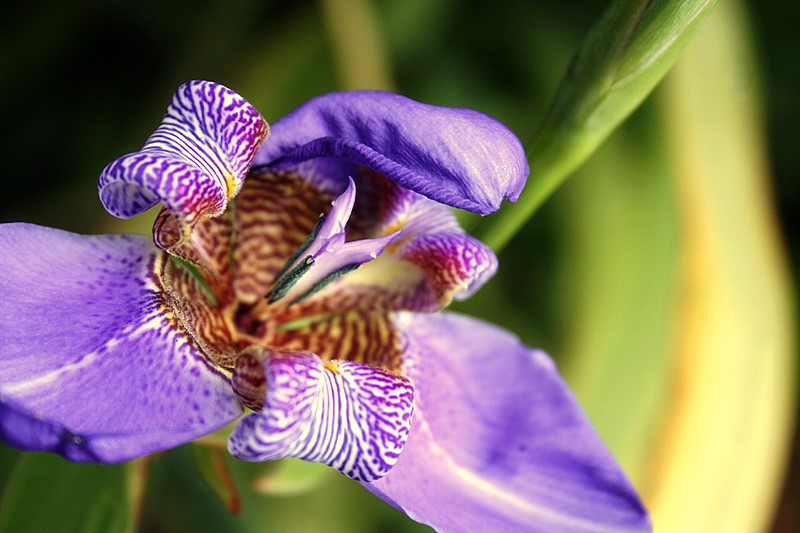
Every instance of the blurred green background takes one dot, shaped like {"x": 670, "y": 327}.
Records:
{"x": 698, "y": 188}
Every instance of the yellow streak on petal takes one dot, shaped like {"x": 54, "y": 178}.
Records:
{"x": 231, "y": 185}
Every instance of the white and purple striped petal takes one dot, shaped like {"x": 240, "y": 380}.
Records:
{"x": 194, "y": 162}
{"x": 350, "y": 416}
{"x": 498, "y": 442}
{"x": 457, "y": 157}
{"x": 454, "y": 265}
{"x": 93, "y": 362}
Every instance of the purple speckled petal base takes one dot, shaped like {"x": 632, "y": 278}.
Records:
{"x": 350, "y": 416}
{"x": 92, "y": 364}
{"x": 498, "y": 441}
{"x": 194, "y": 162}
{"x": 453, "y": 265}
{"x": 458, "y": 157}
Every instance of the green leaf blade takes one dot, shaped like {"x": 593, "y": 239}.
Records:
{"x": 628, "y": 51}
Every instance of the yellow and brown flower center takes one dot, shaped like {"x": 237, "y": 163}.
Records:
{"x": 223, "y": 304}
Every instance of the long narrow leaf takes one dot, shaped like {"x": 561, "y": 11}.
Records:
{"x": 627, "y": 52}
{"x": 725, "y": 443}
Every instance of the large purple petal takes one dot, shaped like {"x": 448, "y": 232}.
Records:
{"x": 458, "y": 157}
{"x": 93, "y": 364}
{"x": 498, "y": 442}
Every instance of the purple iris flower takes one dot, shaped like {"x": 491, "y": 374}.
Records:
{"x": 300, "y": 278}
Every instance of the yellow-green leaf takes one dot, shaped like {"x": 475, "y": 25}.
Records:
{"x": 724, "y": 443}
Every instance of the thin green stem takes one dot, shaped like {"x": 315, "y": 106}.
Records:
{"x": 627, "y": 52}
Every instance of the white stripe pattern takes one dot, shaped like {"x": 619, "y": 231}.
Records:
{"x": 350, "y": 416}
{"x": 194, "y": 162}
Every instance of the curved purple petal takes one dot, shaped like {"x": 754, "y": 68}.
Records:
{"x": 347, "y": 415}
{"x": 458, "y": 157}
{"x": 93, "y": 365}
{"x": 194, "y": 162}
{"x": 498, "y": 442}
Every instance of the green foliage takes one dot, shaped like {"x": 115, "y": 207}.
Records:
{"x": 624, "y": 56}
{"x": 47, "y": 493}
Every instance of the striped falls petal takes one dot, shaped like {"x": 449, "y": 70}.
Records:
{"x": 194, "y": 162}
{"x": 350, "y": 416}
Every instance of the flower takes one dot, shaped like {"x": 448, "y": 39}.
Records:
{"x": 300, "y": 279}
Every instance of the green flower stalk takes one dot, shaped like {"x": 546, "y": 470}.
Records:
{"x": 622, "y": 59}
